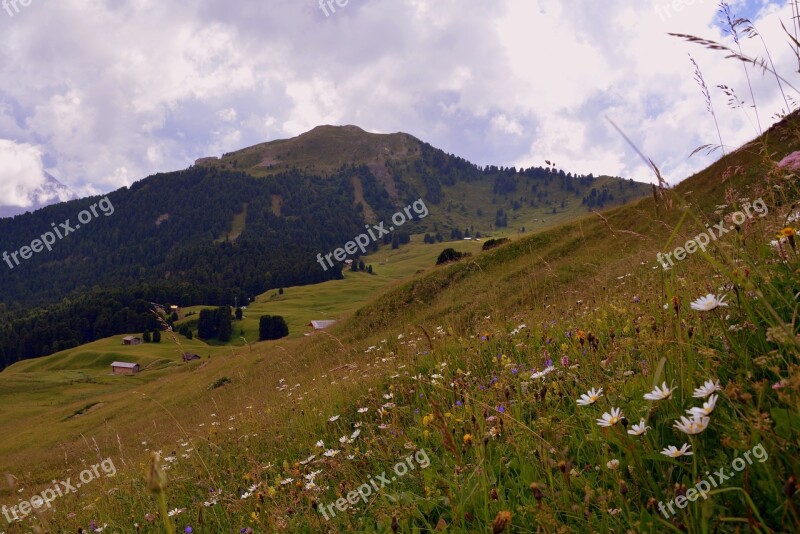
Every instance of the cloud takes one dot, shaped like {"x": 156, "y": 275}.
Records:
{"x": 113, "y": 92}
{"x": 21, "y": 172}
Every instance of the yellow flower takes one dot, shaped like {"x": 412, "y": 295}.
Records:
{"x": 787, "y": 232}
{"x": 428, "y": 419}
{"x": 467, "y": 439}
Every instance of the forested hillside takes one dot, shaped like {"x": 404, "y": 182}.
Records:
{"x": 218, "y": 232}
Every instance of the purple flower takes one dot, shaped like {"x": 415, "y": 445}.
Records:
{"x": 565, "y": 361}
{"x": 501, "y": 409}
{"x": 548, "y": 362}
{"x": 569, "y": 333}
{"x": 637, "y": 300}
{"x": 459, "y": 403}
{"x": 514, "y": 371}
{"x": 188, "y": 529}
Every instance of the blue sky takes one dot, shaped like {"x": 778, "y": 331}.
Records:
{"x": 102, "y": 93}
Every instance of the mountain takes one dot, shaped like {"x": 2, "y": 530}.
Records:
{"x": 256, "y": 220}
{"x": 50, "y": 192}
{"x": 493, "y": 365}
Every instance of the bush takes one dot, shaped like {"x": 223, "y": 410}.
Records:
{"x": 492, "y": 243}
{"x": 449, "y": 255}
{"x": 272, "y": 327}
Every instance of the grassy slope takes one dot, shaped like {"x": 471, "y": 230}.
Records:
{"x": 581, "y": 275}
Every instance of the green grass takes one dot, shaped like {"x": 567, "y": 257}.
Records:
{"x": 442, "y": 364}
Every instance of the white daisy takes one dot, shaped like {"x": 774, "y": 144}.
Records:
{"x": 708, "y": 303}
{"x": 638, "y": 430}
{"x": 173, "y": 513}
{"x": 590, "y": 397}
{"x": 611, "y": 419}
{"x": 320, "y": 444}
{"x": 706, "y": 409}
{"x": 708, "y": 387}
{"x": 692, "y": 426}
{"x": 664, "y": 392}
{"x": 541, "y": 374}
{"x": 613, "y": 464}
{"x": 673, "y": 452}
{"x": 333, "y": 419}
{"x": 330, "y": 453}
{"x": 363, "y": 410}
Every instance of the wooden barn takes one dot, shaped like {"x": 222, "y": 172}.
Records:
{"x": 131, "y": 340}
{"x": 123, "y": 368}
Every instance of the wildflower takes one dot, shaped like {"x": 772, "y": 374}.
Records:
{"x": 320, "y": 444}
{"x": 708, "y": 387}
{"x": 661, "y": 393}
{"x": 176, "y": 511}
{"x": 501, "y": 521}
{"x": 613, "y": 464}
{"x": 673, "y": 452}
{"x": 467, "y": 439}
{"x": 611, "y": 419}
{"x": 789, "y": 234}
{"x": 333, "y": 419}
{"x": 708, "y": 303}
{"x": 330, "y": 453}
{"x": 638, "y": 430}
{"x": 544, "y": 372}
{"x": 692, "y": 426}
{"x": 363, "y": 410}
{"x": 706, "y": 409}
{"x": 590, "y": 397}
{"x": 286, "y": 481}
{"x": 355, "y": 434}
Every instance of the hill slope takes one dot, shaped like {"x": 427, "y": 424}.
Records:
{"x": 223, "y": 232}
{"x": 470, "y": 376}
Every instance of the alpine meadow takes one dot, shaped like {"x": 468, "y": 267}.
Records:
{"x": 566, "y": 301}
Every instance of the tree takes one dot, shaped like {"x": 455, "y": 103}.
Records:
{"x": 206, "y": 327}
{"x": 156, "y": 336}
{"x": 224, "y": 324}
{"x": 280, "y": 291}
{"x": 369, "y": 269}
{"x": 272, "y": 327}
{"x": 239, "y": 314}
{"x": 146, "y": 336}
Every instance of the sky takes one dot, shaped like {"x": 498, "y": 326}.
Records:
{"x": 102, "y": 93}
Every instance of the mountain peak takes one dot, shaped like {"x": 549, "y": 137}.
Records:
{"x": 50, "y": 192}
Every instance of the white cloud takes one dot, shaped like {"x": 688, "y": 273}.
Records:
{"x": 21, "y": 172}
{"x": 112, "y": 92}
